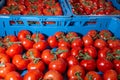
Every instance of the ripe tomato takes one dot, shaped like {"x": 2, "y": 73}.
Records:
{"x": 58, "y": 62}
{"x": 6, "y": 68}
{"x": 71, "y": 60}
{"x": 36, "y": 64}
{"x": 63, "y": 43}
{"x": 2, "y": 49}
{"x": 41, "y": 45}
{"x": 91, "y": 51}
{"x": 93, "y": 34}
{"x": 52, "y": 41}
{"x": 10, "y": 38}
{"x": 13, "y": 75}
{"x": 110, "y": 75}
{"x": 33, "y": 75}
{"x": 20, "y": 61}
{"x": 23, "y": 34}
{"x": 4, "y": 58}
{"x": 37, "y": 37}
{"x": 71, "y": 35}
{"x": 47, "y": 56}
{"x": 59, "y": 35}
{"x": 77, "y": 42}
{"x": 104, "y": 64}
{"x": 14, "y": 49}
{"x": 116, "y": 64}
{"x": 113, "y": 43}
{"x": 89, "y": 64}
{"x": 105, "y": 34}
{"x": 87, "y": 40}
{"x": 92, "y": 75}
{"x": 100, "y": 43}
{"x": 4, "y": 11}
{"x": 76, "y": 72}
{"x": 53, "y": 74}
{"x": 33, "y": 53}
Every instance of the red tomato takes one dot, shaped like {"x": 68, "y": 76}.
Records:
{"x": 36, "y": 64}
{"x": 71, "y": 60}
{"x": 6, "y": 68}
{"x": 23, "y": 34}
{"x": 20, "y": 61}
{"x": 116, "y": 64}
{"x": 76, "y": 72}
{"x": 93, "y": 34}
{"x": 87, "y": 40}
{"x": 41, "y": 45}
{"x": 33, "y": 53}
{"x": 33, "y": 75}
{"x": 105, "y": 34}
{"x": 4, "y": 11}
{"x": 91, "y": 51}
{"x": 89, "y": 64}
{"x": 27, "y": 43}
{"x": 92, "y": 75}
{"x": 59, "y": 35}
{"x": 104, "y": 65}
{"x": 63, "y": 43}
{"x": 4, "y": 58}
{"x": 110, "y": 75}
{"x": 113, "y": 43}
{"x": 10, "y": 38}
{"x": 71, "y": 35}
{"x": 13, "y": 75}
{"x": 53, "y": 74}
{"x": 2, "y": 49}
{"x": 37, "y": 37}
{"x": 58, "y": 62}
{"x": 47, "y": 56}
{"x": 52, "y": 41}
{"x": 100, "y": 43}
{"x": 14, "y": 49}
{"x": 77, "y": 42}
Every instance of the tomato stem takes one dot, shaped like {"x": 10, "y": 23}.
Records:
{"x": 78, "y": 74}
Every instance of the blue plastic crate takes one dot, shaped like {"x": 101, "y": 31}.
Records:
{"x": 65, "y": 10}
{"x": 114, "y": 2}
{"x": 79, "y": 25}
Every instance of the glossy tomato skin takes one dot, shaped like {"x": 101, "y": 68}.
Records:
{"x": 10, "y": 38}
{"x": 53, "y": 74}
{"x": 33, "y": 75}
{"x": 116, "y": 64}
{"x": 20, "y": 62}
{"x": 47, "y": 56}
{"x": 113, "y": 43}
{"x": 76, "y": 52}
{"x": 71, "y": 35}
{"x": 13, "y": 75}
{"x": 14, "y": 49}
{"x": 100, "y": 43}
{"x": 105, "y": 34}
{"x": 93, "y": 34}
{"x": 89, "y": 65}
{"x": 6, "y": 68}
{"x": 59, "y": 34}
{"x": 77, "y": 43}
{"x": 71, "y": 60}
{"x": 37, "y": 37}
{"x": 63, "y": 43}
{"x": 59, "y": 65}
{"x": 110, "y": 75}
{"x": 87, "y": 40}
{"x": 92, "y": 75}
{"x": 76, "y": 72}
{"x": 52, "y": 41}
{"x": 23, "y": 34}
{"x": 4, "y": 58}
{"x": 104, "y": 65}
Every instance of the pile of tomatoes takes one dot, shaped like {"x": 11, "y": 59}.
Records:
{"x": 61, "y": 56}
{"x": 93, "y": 7}
{"x": 32, "y": 7}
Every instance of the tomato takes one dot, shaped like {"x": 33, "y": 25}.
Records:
{"x": 71, "y": 60}
{"x": 105, "y": 34}
{"x": 88, "y": 64}
{"x": 110, "y": 75}
{"x": 11, "y": 3}
{"x": 14, "y": 49}
{"x": 91, "y": 51}
{"x": 33, "y": 75}
{"x": 53, "y": 75}
{"x": 104, "y": 64}
{"x": 2, "y": 49}
{"x": 20, "y": 61}
{"x": 100, "y": 43}
{"x": 41, "y": 45}
{"x": 92, "y": 75}
{"x": 33, "y": 53}
{"x": 23, "y": 34}
{"x": 22, "y": 8}
{"x": 36, "y": 64}
{"x": 13, "y": 75}
{"x": 59, "y": 35}
{"x": 63, "y": 43}
{"x": 4, "y": 11}
{"x": 76, "y": 72}
{"x": 113, "y": 43}
{"x": 27, "y": 43}
{"x": 56, "y": 9}
{"x": 10, "y": 38}
{"x": 87, "y": 40}
{"x": 4, "y": 58}
{"x": 71, "y": 35}
{"x": 93, "y": 33}
{"x": 37, "y": 37}
{"x": 6, "y": 68}
{"x": 116, "y": 64}
{"x": 47, "y": 56}
{"x": 62, "y": 52}
{"x": 77, "y": 42}
{"x": 58, "y": 62}
{"x": 52, "y": 41}
{"x": 47, "y": 12}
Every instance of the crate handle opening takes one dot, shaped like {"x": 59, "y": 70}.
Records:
{"x": 33, "y": 23}
{"x": 89, "y": 23}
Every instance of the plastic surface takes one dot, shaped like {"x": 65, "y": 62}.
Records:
{"x": 80, "y": 25}
{"x": 115, "y": 3}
